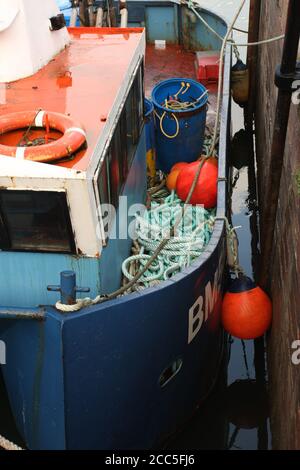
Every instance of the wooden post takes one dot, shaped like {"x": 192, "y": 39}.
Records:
{"x": 252, "y": 54}
{"x": 288, "y": 66}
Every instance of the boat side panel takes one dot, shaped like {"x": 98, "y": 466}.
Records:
{"x": 196, "y": 36}
{"x": 116, "y": 353}
{"x": 34, "y": 380}
{"x": 161, "y": 23}
{"x": 24, "y": 277}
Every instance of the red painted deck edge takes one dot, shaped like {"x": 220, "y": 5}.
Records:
{"x": 107, "y": 31}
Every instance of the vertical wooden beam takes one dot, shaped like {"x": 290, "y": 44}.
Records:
{"x": 252, "y": 54}
{"x": 288, "y": 67}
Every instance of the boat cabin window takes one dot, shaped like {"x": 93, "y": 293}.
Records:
{"x": 120, "y": 154}
{"x": 35, "y": 221}
{"x": 134, "y": 109}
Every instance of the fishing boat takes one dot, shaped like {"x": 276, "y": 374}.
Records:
{"x": 120, "y": 371}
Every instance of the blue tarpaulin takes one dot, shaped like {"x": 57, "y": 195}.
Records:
{"x": 63, "y": 4}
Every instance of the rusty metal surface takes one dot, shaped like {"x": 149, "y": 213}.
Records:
{"x": 21, "y": 314}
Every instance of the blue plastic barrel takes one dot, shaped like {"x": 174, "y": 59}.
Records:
{"x": 150, "y": 137}
{"x": 179, "y": 133}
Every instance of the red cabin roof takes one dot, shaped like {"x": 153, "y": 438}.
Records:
{"x": 82, "y": 81}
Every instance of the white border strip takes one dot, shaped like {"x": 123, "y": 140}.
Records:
{"x": 38, "y": 122}
{"x": 20, "y": 153}
{"x": 76, "y": 129}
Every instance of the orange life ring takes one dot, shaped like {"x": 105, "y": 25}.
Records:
{"x": 72, "y": 139}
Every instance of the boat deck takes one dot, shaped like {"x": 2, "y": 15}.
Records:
{"x": 84, "y": 79}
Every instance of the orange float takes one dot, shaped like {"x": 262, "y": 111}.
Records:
{"x": 72, "y": 139}
{"x": 205, "y": 191}
{"x": 178, "y": 166}
{"x": 171, "y": 180}
{"x": 246, "y": 309}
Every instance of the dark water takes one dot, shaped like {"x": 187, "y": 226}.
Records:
{"x": 235, "y": 416}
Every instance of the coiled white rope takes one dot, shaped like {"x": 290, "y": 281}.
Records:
{"x": 189, "y": 241}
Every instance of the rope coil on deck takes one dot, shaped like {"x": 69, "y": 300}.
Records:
{"x": 188, "y": 242}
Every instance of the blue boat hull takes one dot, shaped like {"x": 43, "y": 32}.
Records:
{"x": 92, "y": 380}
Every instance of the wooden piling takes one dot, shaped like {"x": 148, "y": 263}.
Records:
{"x": 283, "y": 372}
{"x": 288, "y": 66}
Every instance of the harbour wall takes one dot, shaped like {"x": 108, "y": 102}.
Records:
{"x": 284, "y": 375}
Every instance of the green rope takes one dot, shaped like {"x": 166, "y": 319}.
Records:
{"x": 191, "y": 237}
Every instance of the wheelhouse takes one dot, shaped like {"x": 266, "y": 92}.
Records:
{"x": 51, "y": 215}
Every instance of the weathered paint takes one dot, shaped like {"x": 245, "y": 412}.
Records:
{"x": 176, "y": 24}
{"x": 15, "y": 314}
{"x": 196, "y": 36}
{"x": 161, "y": 23}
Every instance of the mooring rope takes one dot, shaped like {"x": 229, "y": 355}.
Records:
{"x": 220, "y": 82}
{"x": 225, "y": 40}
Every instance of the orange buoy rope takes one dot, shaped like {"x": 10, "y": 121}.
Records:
{"x": 72, "y": 139}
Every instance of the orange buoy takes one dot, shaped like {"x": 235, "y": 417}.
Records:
{"x": 246, "y": 309}
{"x": 72, "y": 139}
{"x": 205, "y": 191}
{"x": 171, "y": 180}
{"x": 178, "y": 166}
